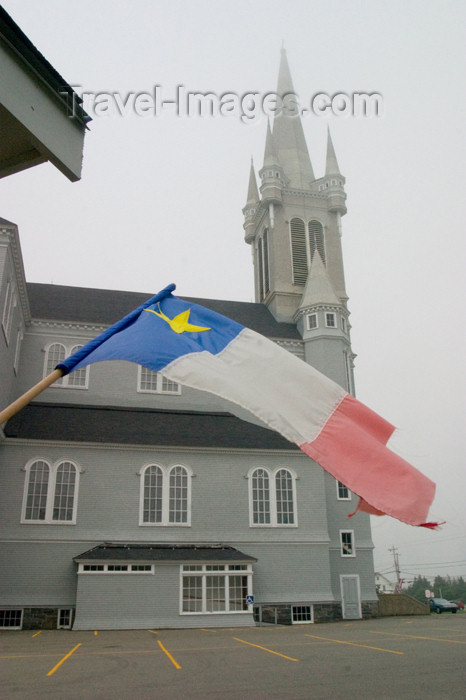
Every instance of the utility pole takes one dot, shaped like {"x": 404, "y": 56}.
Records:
{"x": 396, "y": 562}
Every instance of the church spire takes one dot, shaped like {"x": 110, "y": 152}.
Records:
{"x": 270, "y": 156}
{"x": 331, "y": 167}
{"x": 253, "y": 192}
{"x": 288, "y": 134}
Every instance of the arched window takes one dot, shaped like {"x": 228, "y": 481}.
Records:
{"x": 284, "y": 496}
{"x": 37, "y": 490}
{"x": 78, "y": 378}
{"x": 165, "y": 495}
{"x": 56, "y": 353}
{"x": 50, "y": 494}
{"x": 272, "y": 497}
{"x": 152, "y": 496}
{"x": 260, "y": 497}
{"x": 65, "y": 483}
{"x": 178, "y": 508}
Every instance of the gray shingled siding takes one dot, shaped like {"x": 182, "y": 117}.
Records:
{"x": 294, "y": 565}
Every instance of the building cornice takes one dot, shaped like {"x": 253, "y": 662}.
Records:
{"x": 9, "y": 237}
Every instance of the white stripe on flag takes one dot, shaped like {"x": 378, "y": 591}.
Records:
{"x": 286, "y": 393}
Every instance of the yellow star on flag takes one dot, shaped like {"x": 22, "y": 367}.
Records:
{"x": 179, "y": 324}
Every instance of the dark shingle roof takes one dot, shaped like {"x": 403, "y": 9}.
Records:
{"x": 31, "y": 56}
{"x": 110, "y": 551}
{"x": 106, "y": 306}
{"x": 71, "y": 423}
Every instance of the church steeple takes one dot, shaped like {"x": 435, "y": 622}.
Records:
{"x": 288, "y": 134}
{"x": 295, "y": 214}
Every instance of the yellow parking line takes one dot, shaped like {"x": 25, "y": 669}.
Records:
{"x": 204, "y": 629}
{"x": 290, "y": 658}
{"x": 175, "y": 663}
{"x": 153, "y": 631}
{"x": 412, "y": 636}
{"x": 354, "y": 644}
{"x": 37, "y": 633}
{"x": 95, "y": 633}
{"x": 52, "y": 671}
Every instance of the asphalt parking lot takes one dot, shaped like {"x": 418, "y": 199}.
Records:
{"x": 401, "y": 657}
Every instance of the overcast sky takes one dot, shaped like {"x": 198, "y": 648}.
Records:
{"x": 161, "y": 196}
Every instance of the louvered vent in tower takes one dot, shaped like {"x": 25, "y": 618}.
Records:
{"x": 298, "y": 251}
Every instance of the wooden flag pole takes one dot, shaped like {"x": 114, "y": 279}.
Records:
{"x": 34, "y": 391}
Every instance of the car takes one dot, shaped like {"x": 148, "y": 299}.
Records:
{"x": 459, "y": 604}
{"x": 440, "y": 605}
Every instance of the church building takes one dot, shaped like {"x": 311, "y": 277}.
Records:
{"x": 128, "y": 501}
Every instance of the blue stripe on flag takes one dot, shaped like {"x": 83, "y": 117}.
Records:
{"x": 147, "y": 339}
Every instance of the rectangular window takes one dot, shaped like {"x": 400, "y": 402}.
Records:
{"x": 7, "y": 316}
{"x": 150, "y": 382}
{"x": 330, "y": 320}
{"x": 19, "y": 340}
{"x": 302, "y": 614}
{"x": 11, "y": 619}
{"x": 312, "y": 322}
{"x": 192, "y": 594}
{"x": 116, "y": 569}
{"x": 347, "y": 543}
{"x": 204, "y": 591}
{"x": 343, "y": 324}
{"x": 64, "y": 619}
{"x": 343, "y": 492}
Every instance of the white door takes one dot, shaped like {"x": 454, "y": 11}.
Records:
{"x": 350, "y": 597}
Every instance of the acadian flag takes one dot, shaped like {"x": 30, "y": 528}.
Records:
{"x": 199, "y": 348}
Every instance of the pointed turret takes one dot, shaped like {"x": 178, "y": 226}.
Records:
{"x": 253, "y": 192}
{"x": 271, "y": 175}
{"x": 331, "y": 167}
{"x": 288, "y": 134}
{"x": 270, "y": 155}
{"x": 318, "y": 289}
{"x": 334, "y": 181}
{"x": 252, "y": 203}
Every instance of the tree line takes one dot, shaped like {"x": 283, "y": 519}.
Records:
{"x": 442, "y": 586}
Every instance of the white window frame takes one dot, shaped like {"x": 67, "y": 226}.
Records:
{"x": 224, "y": 571}
{"x": 271, "y": 473}
{"x": 159, "y": 380}
{"x": 124, "y": 568}
{"x": 334, "y": 317}
{"x": 51, "y": 492}
{"x": 352, "y": 554}
{"x": 302, "y": 622}
{"x": 13, "y": 627}
{"x": 308, "y": 318}
{"x": 339, "y": 497}
{"x": 70, "y": 613}
{"x": 166, "y": 471}
{"x": 66, "y": 382}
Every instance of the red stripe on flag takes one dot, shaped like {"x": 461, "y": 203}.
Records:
{"x": 351, "y": 447}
